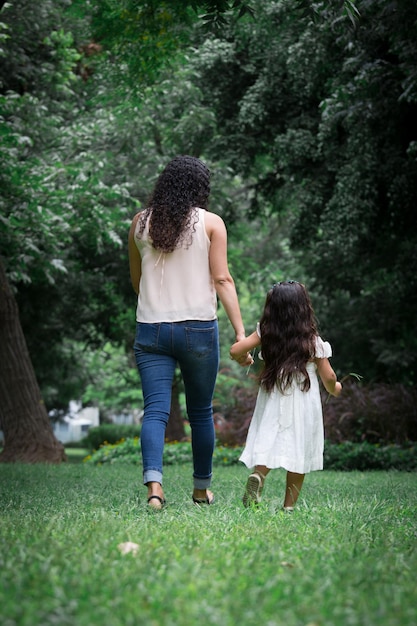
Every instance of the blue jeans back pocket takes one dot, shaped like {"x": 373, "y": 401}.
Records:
{"x": 200, "y": 341}
{"x": 147, "y": 336}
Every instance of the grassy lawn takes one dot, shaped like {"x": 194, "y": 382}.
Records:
{"x": 76, "y": 455}
{"x": 346, "y": 557}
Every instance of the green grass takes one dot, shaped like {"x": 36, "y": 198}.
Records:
{"x": 76, "y": 455}
{"x": 346, "y": 557}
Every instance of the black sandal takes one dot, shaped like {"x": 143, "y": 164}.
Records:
{"x": 161, "y": 500}
{"x": 205, "y": 500}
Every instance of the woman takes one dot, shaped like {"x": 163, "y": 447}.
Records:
{"x": 178, "y": 262}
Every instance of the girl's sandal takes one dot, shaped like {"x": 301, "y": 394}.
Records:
{"x": 253, "y": 491}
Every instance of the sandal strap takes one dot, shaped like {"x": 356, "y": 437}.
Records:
{"x": 203, "y": 500}
{"x": 161, "y": 500}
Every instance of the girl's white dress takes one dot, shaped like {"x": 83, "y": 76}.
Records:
{"x": 287, "y": 430}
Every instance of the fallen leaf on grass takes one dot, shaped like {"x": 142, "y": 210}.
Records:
{"x": 127, "y": 547}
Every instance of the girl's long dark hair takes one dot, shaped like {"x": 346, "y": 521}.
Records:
{"x": 183, "y": 185}
{"x": 288, "y": 336}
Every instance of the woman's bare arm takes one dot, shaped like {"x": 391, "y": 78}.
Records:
{"x": 223, "y": 281}
{"x": 135, "y": 260}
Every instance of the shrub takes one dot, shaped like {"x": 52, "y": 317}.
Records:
{"x": 366, "y": 456}
{"x": 128, "y": 451}
{"x": 124, "y": 451}
{"x": 110, "y": 433}
{"x": 344, "y": 456}
{"x": 223, "y": 455}
{"x": 384, "y": 414}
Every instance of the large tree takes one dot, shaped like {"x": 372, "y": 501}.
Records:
{"x": 26, "y": 426}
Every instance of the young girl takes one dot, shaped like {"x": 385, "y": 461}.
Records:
{"x": 287, "y": 425}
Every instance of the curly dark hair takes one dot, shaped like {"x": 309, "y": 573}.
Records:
{"x": 288, "y": 336}
{"x": 183, "y": 185}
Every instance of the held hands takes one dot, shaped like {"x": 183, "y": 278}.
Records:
{"x": 244, "y": 359}
{"x": 241, "y": 349}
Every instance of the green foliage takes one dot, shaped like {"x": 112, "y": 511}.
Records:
{"x": 114, "y": 384}
{"x": 110, "y": 434}
{"x": 143, "y": 38}
{"x": 316, "y": 105}
{"x": 366, "y": 456}
{"x": 129, "y": 451}
{"x": 38, "y": 54}
{"x": 64, "y": 215}
{"x": 345, "y": 456}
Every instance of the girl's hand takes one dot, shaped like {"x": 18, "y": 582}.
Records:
{"x": 337, "y": 389}
{"x": 244, "y": 360}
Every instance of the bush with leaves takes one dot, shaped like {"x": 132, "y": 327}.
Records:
{"x": 129, "y": 451}
{"x": 343, "y": 457}
{"x": 110, "y": 434}
{"x": 367, "y": 456}
{"x": 384, "y": 414}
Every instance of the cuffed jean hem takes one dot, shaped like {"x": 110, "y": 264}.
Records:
{"x": 152, "y": 476}
{"x": 202, "y": 483}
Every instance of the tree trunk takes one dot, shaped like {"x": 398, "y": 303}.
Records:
{"x": 175, "y": 430}
{"x": 28, "y": 434}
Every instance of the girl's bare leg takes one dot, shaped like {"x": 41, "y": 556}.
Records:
{"x": 293, "y": 488}
{"x": 262, "y": 470}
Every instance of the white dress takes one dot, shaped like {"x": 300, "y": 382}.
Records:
{"x": 287, "y": 430}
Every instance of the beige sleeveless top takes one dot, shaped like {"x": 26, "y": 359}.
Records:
{"x": 176, "y": 286}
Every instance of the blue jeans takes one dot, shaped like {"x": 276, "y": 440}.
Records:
{"x": 194, "y": 345}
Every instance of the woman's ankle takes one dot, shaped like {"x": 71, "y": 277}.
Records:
{"x": 155, "y": 489}
{"x": 200, "y": 493}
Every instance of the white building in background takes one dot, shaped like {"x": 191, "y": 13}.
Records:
{"x": 135, "y": 417}
{"x": 77, "y": 423}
